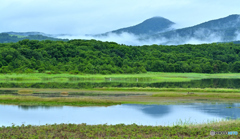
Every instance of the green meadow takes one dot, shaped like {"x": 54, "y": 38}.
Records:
{"x": 150, "y": 76}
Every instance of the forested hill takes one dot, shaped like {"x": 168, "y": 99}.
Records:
{"x": 148, "y": 27}
{"x": 82, "y": 56}
{"x": 7, "y": 38}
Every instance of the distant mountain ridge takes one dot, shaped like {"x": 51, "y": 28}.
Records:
{"x": 161, "y": 29}
{"x": 230, "y": 21}
{"x": 224, "y": 28}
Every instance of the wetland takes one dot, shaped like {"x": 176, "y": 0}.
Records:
{"x": 42, "y": 101}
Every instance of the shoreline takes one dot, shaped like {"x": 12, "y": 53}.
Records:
{"x": 112, "y": 96}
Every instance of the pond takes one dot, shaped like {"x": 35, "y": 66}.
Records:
{"x": 127, "y": 113}
{"x": 204, "y": 83}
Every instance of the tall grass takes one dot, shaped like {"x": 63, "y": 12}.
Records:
{"x": 30, "y": 100}
{"x": 216, "y": 122}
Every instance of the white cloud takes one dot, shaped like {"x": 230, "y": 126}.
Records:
{"x": 130, "y": 39}
{"x": 237, "y": 35}
{"x": 92, "y": 16}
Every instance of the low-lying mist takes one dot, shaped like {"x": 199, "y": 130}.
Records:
{"x": 200, "y": 36}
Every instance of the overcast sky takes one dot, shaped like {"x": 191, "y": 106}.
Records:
{"x": 99, "y": 16}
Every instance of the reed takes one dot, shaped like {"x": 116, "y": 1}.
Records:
{"x": 31, "y": 100}
{"x": 22, "y": 92}
{"x": 64, "y": 93}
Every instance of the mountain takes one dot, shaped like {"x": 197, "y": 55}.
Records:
{"x": 26, "y": 33}
{"x": 150, "y": 26}
{"x": 7, "y": 38}
{"x": 224, "y": 29}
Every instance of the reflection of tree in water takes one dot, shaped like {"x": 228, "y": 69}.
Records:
{"x": 8, "y": 91}
{"x": 230, "y": 110}
{"x": 205, "y": 83}
{"x": 25, "y": 107}
{"x": 152, "y": 110}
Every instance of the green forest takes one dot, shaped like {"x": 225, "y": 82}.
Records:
{"x": 96, "y": 57}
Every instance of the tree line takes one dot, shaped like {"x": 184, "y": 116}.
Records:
{"x": 96, "y": 57}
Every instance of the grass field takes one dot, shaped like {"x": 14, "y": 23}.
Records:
{"x": 120, "y": 131}
{"x": 149, "y": 77}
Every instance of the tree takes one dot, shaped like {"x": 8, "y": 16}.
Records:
{"x": 9, "y": 58}
{"x": 41, "y": 70}
{"x": 159, "y": 66}
{"x": 170, "y": 67}
{"x": 236, "y": 66}
{"x": 4, "y": 69}
{"x": 197, "y": 69}
{"x": 207, "y": 68}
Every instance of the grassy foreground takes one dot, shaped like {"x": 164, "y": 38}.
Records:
{"x": 30, "y": 100}
{"x": 119, "y": 131}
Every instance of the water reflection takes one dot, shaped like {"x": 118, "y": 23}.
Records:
{"x": 71, "y": 94}
{"x": 231, "y": 110}
{"x": 153, "y": 110}
{"x": 205, "y": 83}
{"x": 127, "y": 114}
{"x": 23, "y": 107}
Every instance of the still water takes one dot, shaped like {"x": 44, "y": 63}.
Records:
{"x": 204, "y": 83}
{"x": 127, "y": 114}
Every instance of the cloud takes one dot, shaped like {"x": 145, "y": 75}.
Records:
{"x": 123, "y": 38}
{"x": 93, "y": 17}
{"x": 200, "y": 36}
{"x": 237, "y": 33}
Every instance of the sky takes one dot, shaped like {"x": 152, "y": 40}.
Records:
{"x": 79, "y": 17}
